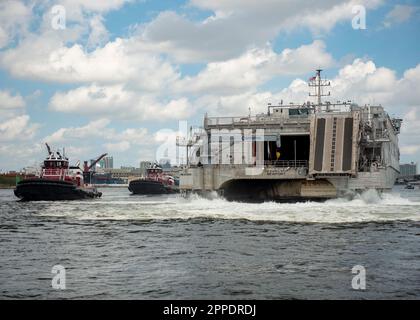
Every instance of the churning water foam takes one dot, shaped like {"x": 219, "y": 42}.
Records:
{"x": 365, "y": 207}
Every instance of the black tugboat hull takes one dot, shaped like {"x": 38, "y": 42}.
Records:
{"x": 50, "y": 190}
{"x": 149, "y": 187}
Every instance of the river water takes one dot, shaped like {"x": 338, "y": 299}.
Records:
{"x": 138, "y": 247}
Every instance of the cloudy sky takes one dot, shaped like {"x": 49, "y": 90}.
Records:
{"x": 120, "y": 74}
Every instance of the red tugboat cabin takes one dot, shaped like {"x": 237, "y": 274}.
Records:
{"x": 56, "y": 168}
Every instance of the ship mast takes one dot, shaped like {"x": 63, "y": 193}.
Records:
{"x": 317, "y": 83}
{"x": 186, "y": 142}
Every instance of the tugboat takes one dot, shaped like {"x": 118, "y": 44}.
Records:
{"x": 155, "y": 182}
{"x": 59, "y": 181}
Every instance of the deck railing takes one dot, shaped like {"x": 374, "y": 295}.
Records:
{"x": 287, "y": 163}
{"x": 268, "y": 163}
{"x": 224, "y": 121}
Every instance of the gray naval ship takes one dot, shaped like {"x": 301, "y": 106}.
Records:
{"x": 313, "y": 151}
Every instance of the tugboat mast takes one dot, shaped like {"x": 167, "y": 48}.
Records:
{"x": 317, "y": 83}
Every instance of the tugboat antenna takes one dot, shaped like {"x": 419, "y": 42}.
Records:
{"x": 48, "y": 149}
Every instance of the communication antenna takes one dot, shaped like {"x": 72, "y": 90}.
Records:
{"x": 318, "y": 84}
{"x": 186, "y": 142}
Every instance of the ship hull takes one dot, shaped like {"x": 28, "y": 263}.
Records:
{"x": 255, "y": 191}
{"x": 50, "y": 190}
{"x": 149, "y": 187}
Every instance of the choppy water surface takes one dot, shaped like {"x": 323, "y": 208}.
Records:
{"x": 138, "y": 247}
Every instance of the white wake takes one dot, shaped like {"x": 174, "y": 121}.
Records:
{"x": 368, "y": 206}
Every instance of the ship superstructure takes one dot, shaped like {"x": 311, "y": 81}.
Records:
{"x": 310, "y": 151}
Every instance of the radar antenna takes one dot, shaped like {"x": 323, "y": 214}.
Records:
{"x": 317, "y": 83}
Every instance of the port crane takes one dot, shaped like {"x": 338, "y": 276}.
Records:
{"x": 93, "y": 164}
{"x": 87, "y": 173}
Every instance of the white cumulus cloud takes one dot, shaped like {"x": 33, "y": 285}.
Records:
{"x": 119, "y": 102}
{"x": 255, "y": 67}
{"x": 399, "y": 14}
{"x": 235, "y": 26}
{"x": 17, "y": 128}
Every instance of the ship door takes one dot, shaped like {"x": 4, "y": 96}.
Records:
{"x": 295, "y": 147}
{"x": 333, "y": 147}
